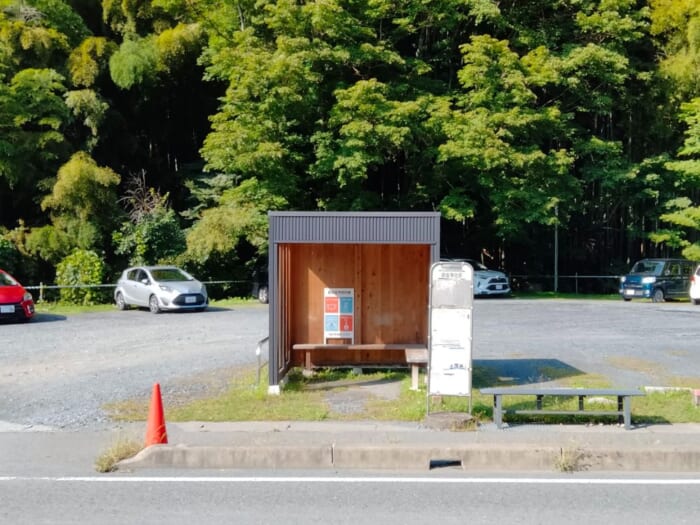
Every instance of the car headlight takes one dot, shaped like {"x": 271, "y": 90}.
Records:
{"x": 27, "y": 296}
{"x": 623, "y": 279}
{"x": 648, "y": 280}
{"x": 165, "y": 288}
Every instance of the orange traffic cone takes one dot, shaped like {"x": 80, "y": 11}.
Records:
{"x": 155, "y": 429}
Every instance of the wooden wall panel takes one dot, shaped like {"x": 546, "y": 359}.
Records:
{"x": 391, "y": 295}
{"x": 395, "y": 293}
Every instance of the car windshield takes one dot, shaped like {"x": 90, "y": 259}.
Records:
{"x": 649, "y": 267}
{"x": 476, "y": 264}
{"x": 170, "y": 274}
{"x": 6, "y": 280}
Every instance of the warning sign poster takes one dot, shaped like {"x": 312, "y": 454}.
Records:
{"x": 339, "y": 313}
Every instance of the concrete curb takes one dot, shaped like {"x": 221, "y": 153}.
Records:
{"x": 472, "y": 457}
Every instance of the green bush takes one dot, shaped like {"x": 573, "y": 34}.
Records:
{"x": 156, "y": 238}
{"x": 82, "y": 267}
{"x": 10, "y": 258}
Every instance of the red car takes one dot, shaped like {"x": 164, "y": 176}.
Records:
{"x": 16, "y": 303}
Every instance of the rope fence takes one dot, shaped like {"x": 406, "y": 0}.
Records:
{"x": 52, "y": 291}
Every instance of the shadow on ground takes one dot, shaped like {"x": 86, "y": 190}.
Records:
{"x": 500, "y": 372}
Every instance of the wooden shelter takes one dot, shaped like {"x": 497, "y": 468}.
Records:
{"x": 348, "y": 288}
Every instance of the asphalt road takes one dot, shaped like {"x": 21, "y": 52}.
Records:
{"x": 59, "y": 372}
{"x": 259, "y": 498}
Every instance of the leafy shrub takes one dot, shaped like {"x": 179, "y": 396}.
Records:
{"x": 155, "y": 237}
{"x": 82, "y": 267}
{"x": 10, "y": 257}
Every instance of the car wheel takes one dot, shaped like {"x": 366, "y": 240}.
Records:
{"x": 626, "y": 299}
{"x": 262, "y": 295}
{"x": 121, "y": 303}
{"x": 153, "y": 304}
{"x": 658, "y": 296}
{"x": 696, "y": 302}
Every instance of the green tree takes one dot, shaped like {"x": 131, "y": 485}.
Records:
{"x": 676, "y": 24}
{"x": 83, "y": 207}
{"x": 241, "y": 215}
{"x": 153, "y": 233}
{"x": 684, "y": 211}
{"x": 504, "y": 143}
{"x": 33, "y": 117}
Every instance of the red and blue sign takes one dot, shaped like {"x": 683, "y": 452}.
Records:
{"x": 339, "y": 313}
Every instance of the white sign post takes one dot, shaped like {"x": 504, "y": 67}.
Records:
{"x": 451, "y": 304}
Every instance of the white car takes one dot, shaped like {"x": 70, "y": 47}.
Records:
{"x": 695, "y": 287}
{"x": 488, "y": 282}
{"x": 160, "y": 288}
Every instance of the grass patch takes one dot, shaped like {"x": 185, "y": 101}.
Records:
{"x": 58, "y": 308}
{"x": 683, "y": 382}
{"x": 585, "y": 381}
{"x": 307, "y": 399}
{"x": 410, "y": 405}
{"x": 653, "y": 408}
{"x": 665, "y": 407}
{"x": 45, "y": 307}
{"x": 122, "y": 449}
{"x": 569, "y": 460}
{"x": 247, "y": 401}
{"x": 560, "y": 295}
{"x": 635, "y": 364}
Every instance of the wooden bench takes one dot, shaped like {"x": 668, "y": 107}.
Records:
{"x": 416, "y": 354}
{"x": 623, "y": 410}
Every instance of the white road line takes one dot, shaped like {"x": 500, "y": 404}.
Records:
{"x": 378, "y": 480}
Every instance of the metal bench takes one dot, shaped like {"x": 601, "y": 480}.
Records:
{"x": 416, "y": 354}
{"x": 623, "y": 411}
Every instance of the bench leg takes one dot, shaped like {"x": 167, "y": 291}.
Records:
{"x": 625, "y": 401}
{"x": 498, "y": 410}
{"x": 415, "y": 368}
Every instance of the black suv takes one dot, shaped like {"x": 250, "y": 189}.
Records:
{"x": 657, "y": 279}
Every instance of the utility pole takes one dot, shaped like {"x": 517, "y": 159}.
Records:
{"x": 556, "y": 249}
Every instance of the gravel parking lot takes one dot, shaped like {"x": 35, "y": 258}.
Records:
{"x": 631, "y": 344}
{"x": 58, "y": 372}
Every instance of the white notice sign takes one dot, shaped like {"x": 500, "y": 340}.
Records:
{"x": 451, "y": 299}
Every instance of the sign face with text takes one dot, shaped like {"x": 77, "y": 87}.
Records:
{"x": 339, "y": 313}
{"x": 451, "y": 302}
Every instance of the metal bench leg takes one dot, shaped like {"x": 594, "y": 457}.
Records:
{"x": 626, "y": 402}
{"x": 498, "y": 410}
